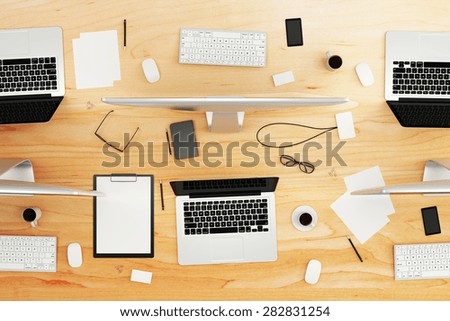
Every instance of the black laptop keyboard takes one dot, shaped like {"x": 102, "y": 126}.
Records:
{"x": 421, "y": 78}
{"x": 227, "y": 216}
{"x": 28, "y": 74}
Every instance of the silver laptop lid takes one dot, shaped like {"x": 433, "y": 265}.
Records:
{"x": 412, "y": 46}
{"x": 28, "y": 43}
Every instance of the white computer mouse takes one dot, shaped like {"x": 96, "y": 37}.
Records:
{"x": 74, "y": 255}
{"x": 365, "y": 75}
{"x": 313, "y": 272}
{"x": 150, "y": 69}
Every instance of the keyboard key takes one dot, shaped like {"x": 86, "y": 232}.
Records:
{"x": 24, "y": 61}
{"x": 437, "y": 64}
{"x": 224, "y": 230}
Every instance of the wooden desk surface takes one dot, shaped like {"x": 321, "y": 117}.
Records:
{"x": 65, "y": 151}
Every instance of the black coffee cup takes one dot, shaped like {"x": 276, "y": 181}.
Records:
{"x": 304, "y": 218}
{"x": 32, "y": 215}
{"x": 333, "y": 61}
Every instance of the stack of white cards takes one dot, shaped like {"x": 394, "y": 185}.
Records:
{"x": 96, "y": 59}
{"x": 364, "y": 215}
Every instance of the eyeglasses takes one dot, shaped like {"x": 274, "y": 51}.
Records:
{"x": 108, "y": 143}
{"x": 290, "y": 161}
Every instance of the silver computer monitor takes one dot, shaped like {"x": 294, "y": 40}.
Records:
{"x": 18, "y": 188}
{"x": 428, "y": 187}
{"x": 224, "y": 113}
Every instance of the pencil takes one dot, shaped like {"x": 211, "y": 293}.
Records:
{"x": 168, "y": 142}
{"x": 124, "y": 33}
{"x": 162, "y": 194}
{"x": 354, "y": 248}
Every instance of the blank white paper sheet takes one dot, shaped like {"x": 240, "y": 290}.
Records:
{"x": 364, "y": 215}
{"x": 96, "y": 59}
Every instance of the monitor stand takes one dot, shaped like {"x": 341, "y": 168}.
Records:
{"x": 225, "y": 122}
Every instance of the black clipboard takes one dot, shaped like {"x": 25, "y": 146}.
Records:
{"x": 123, "y": 218}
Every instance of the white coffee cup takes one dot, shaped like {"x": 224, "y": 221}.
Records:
{"x": 304, "y": 218}
{"x": 32, "y": 215}
{"x": 334, "y": 62}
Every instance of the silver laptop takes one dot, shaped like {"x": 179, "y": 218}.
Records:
{"x": 31, "y": 74}
{"x": 226, "y": 220}
{"x": 417, "y": 78}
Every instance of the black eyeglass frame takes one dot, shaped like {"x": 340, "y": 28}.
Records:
{"x": 289, "y": 161}
{"x": 108, "y": 143}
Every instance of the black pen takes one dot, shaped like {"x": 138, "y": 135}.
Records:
{"x": 162, "y": 194}
{"x": 124, "y": 33}
{"x": 168, "y": 142}
{"x": 354, "y": 248}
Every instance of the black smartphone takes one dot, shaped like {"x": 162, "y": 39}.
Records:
{"x": 294, "y": 32}
{"x": 431, "y": 220}
{"x": 183, "y": 139}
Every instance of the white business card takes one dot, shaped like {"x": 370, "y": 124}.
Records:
{"x": 346, "y": 128}
{"x": 141, "y": 276}
{"x": 283, "y": 78}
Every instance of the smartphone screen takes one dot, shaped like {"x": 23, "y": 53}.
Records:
{"x": 431, "y": 220}
{"x": 294, "y": 32}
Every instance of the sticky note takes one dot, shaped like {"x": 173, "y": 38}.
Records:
{"x": 141, "y": 276}
{"x": 346, "y": 128}
{"x": 283, "y": 78}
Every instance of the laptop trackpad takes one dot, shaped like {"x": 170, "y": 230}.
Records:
{"x": 227, "y": 249}
{"x": 435, "y": 46}
{"x": 14, "y": 43}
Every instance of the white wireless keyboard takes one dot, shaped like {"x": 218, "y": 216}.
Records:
{"x": 28, "y": 253}
{"x": 422, "y": 261}
{"x": 223, "y": 47}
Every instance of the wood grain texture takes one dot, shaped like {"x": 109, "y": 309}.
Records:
{"x": 65, "y": 151}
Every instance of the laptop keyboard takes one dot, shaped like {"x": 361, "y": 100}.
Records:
{"x": 28, "y": 74}
{"x": 227, "y": 216}
{"x": 222, "y": 47}
{"x": 421, "y": 78}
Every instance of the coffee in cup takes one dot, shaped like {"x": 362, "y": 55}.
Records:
{"x": 32, "y": 215}
{"x": 333, "y": 61}
{"x": 304, "y": 218}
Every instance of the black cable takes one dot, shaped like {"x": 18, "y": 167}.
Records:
{"x": 325, "y": 130}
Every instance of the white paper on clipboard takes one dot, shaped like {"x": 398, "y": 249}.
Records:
{"x": 123, "y": 218}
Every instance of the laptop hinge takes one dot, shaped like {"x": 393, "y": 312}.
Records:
{"x": 16, "y": 98}
{"x": 224, "y": 194}
{"x": 425, "y": 100}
